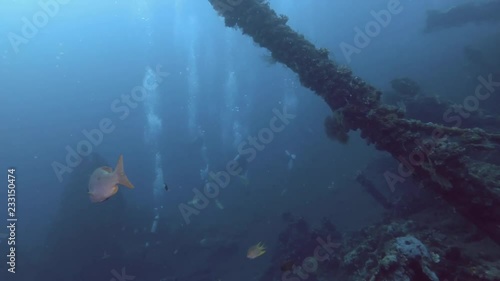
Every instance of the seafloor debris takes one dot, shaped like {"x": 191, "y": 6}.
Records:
{"x": 430, "y": 245}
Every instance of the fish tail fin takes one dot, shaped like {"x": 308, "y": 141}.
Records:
{"x": 122, "y": 178}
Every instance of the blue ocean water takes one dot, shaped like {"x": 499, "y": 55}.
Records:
{"x": 180, "y": 96}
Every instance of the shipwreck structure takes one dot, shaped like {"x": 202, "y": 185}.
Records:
{"x": 448, "y": 159}
{"x": 483, "y": 12}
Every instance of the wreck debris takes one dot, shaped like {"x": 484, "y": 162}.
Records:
{"x": 437, "y": 155}
{"x": 405, "y": 87}
{"x": 463, "y": 14}
{"x": 373, "y": 191}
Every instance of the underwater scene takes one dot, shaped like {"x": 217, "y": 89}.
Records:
{"x": 250, "y": 140}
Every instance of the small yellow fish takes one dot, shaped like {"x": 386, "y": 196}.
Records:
{"x": 104, "y": 182}
{"x": 256, "y": 251}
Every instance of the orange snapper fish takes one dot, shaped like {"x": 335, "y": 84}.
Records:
{"x": 104, "y": 182}
{"x": 256, "y": 251}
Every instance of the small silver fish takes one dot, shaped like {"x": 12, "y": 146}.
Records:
{"x": 104, "y": 182}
